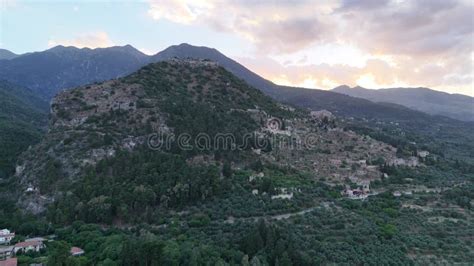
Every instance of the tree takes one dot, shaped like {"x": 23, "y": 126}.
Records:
{"x": 171, "y": 253}
{"x": 245, "y": 261}
{"x": 255, "y": 261}
{"x": 388, "y": 230}
{"x": 227, "y": 170}
{"x": 58, "y": 253}
{"x": 285, "y": 259}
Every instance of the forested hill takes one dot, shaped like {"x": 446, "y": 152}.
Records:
{"x": 95, "y": 122}
{"x": 23, "y": 118}
{"x": 101, "y": 180}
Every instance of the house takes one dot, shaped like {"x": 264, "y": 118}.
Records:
{"x": 321, "y": 115}
{"x": 6, "y": 252}
{"x": 323, "y": 118}
{"x": 75, "y": 251}
{"x": 355, "y": 193}
{"x": 26, "y": 246}
{"x": 423, "y": 154}
{"x": 283, "y": 196}
{"x": 6, "y": 236}
{"x": 397, "y": 194}
{"x": 9, "y": 262}
{"x": 40, "y": 239}
{"x": 410, "y": 162}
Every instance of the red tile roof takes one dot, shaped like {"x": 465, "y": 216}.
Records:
{"x": 28, "y": 243}
{"x": 9, "y": 262}
{"x": 76, "y": 250}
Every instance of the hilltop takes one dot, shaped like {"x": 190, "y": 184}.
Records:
{"x": 102, "y": 123}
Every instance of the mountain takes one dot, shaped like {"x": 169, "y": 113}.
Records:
{"x": 182, "y": 162}
{"x": 58, "y": 68}
{"x": 189, "y": 51}
{"x": 113, "y": 121}
{"x": 5, "y": 54}
{"x": 23, "y": 118}
{"x": 443, "y": 134}
{"x": 61, "y": 67}
{"x": 315, "y": 99}
{"x": 456, "y": 106}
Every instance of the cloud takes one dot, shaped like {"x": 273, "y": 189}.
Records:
{"x": 376, "y": 73}
{"x": 411, "y": 28}
{"x": 179, "y": 11}
{"x": 398, "y": 42}
{"x": 273, "y": 26}
{"x": 90, "y": 40}
{"x": 6, "y": 4}
{"x": 362, "y": 5}
{"x": 388, "y": 26}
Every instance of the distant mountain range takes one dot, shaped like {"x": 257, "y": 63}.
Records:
{"x": 422, "y": 99}
{"x": 48, "y": 72}
{"x": 61, "y": 67}
{"x": 58, "y": 68}
{"x": 5, "y": 54}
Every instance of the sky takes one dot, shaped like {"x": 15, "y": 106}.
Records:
{"x": 307, "y": 43}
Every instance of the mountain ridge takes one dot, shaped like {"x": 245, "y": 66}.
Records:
{"x": 7, "y": 55}
{"x": 104, "y": 64}
{"x": 430, "y": 101}
{"x": 181, "y": 51}
{"x": 61, "y": 67}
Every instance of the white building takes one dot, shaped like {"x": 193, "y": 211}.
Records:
{"x": 6, "y": 236}
{"x": 26, "y": 246}
{"x": 5, "y": 252}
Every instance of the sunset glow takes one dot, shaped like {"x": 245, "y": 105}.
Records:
{"x": 304, "y": 43}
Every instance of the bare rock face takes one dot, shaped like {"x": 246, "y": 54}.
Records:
{"x": 321, "y": 115}
{"x": 333, "y": 155}
{"x": 323, "y": 118}
{"x": 88, "y": 124}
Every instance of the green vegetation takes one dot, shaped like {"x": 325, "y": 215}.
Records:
{"x": 221, "y": 206}
{"x": 22, "y": 120}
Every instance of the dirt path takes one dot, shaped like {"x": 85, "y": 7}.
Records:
{"x": 231, "y": 220}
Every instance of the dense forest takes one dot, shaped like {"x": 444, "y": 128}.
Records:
{"x": 23, "y": 119}
{"x": 380, "y": 230}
